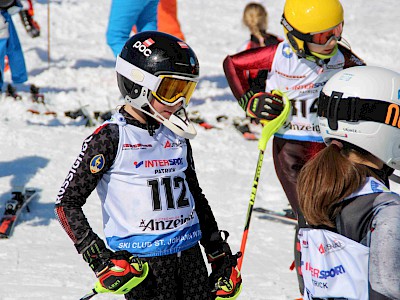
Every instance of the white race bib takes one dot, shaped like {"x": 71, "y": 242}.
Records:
{"x": 333, "y": 265}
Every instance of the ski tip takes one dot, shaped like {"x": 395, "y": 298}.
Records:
{"x": 250, "y": 136}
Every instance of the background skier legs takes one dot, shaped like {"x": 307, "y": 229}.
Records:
{"x": 11, "y": 46}
{"x": 124, "y": 15}
{"x": 168, "y": 18}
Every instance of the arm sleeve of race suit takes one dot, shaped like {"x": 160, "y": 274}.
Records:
{"x": 235, "y": 67}
{"x": 350, "y": 59}
{"x": 384, "y": 261}
{"x": 82, "y": 179}
{"x": 208, "y": 225}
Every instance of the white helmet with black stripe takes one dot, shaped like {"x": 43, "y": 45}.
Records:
{"x": 361, "y": 106}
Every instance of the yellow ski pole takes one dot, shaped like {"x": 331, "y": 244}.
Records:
{"x": 270, "y": 127}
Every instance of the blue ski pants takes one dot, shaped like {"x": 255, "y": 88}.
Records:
{"x": 11, "y": 46}
{"x": 124, "y": 14}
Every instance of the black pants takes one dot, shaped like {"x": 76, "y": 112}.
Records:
{"x": 174, "y": 277}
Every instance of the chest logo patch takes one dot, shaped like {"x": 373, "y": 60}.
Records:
{"x": 97, "y": 163}
{"x": 286, "y": 52}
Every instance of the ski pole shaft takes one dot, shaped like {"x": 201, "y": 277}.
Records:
{"x": 90, "y": 295}
{"x": 250, "y": 207}
{"x": 270, "y": 127}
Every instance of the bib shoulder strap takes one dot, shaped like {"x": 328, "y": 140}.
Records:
{"x": 355, "y": 219}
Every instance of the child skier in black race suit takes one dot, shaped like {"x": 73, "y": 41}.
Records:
{"x": 352, "y": 249}
{"x": 154, "y": 212}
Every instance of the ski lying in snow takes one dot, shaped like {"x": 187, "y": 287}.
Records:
{"x": 242, "y": 125}
{"x": 285, "y": 216}
{"x": 38, "y": 99}
{"x": 194, "y": 116}
{"x": 83, "y": 113}
{"x": 39, "y": 103}
{"x": 13, "y": 208}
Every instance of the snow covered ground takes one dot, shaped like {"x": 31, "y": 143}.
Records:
{"x": 39, "y": 261}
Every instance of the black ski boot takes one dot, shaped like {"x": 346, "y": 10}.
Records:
{"x": 74, "y": 114}
{"x": 35, "y": 95}
{"x": 12, "y": 92}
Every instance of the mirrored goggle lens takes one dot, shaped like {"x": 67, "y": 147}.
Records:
{"x": 172, "y": 89}
{"x": 323, "y": 37}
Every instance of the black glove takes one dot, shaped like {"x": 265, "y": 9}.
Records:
{"x": 261, "y": 105}
{"x": 225, "y": 279}
{"x": 31, "y": 26}
{"x": 118, "y": 272}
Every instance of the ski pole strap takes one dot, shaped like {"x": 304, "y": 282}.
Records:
{"x": 270, "y": 127}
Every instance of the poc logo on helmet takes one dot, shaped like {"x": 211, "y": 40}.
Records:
{"x": 142, "y": 47}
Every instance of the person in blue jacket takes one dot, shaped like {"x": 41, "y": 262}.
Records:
{"x": 126, "y": 14}
{"x": 10, "y": 44}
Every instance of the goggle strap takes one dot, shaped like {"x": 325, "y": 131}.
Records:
{"x": 301, "y": 36}
{"x": 306, "y": 37}
{"x": 136, "y": 74}
{"x": 354, "y": 109}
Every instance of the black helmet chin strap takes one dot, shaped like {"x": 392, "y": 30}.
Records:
{"x": 151, "y": 123}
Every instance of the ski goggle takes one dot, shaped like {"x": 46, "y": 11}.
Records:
{"x": 173, "y": 88}
{"x": 325, "y": 37}
{"x": 167, "y": 89}
{"x": 321, "y": 38}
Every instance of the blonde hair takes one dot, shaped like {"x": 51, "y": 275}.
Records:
{"x": 255, "y": 18}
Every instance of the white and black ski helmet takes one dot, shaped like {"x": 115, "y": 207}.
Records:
{"x": 156, "y": 64}
{"x": 361, "y": 106}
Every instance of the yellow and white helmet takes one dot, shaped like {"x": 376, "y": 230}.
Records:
{"x": 304, "y": 18}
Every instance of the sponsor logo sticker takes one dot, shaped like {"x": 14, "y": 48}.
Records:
{"x": 97, "y": 163}
{"x": 183, "y": 45}
{"x": 286, "y": 52}
{"x": 143, "y": 47}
